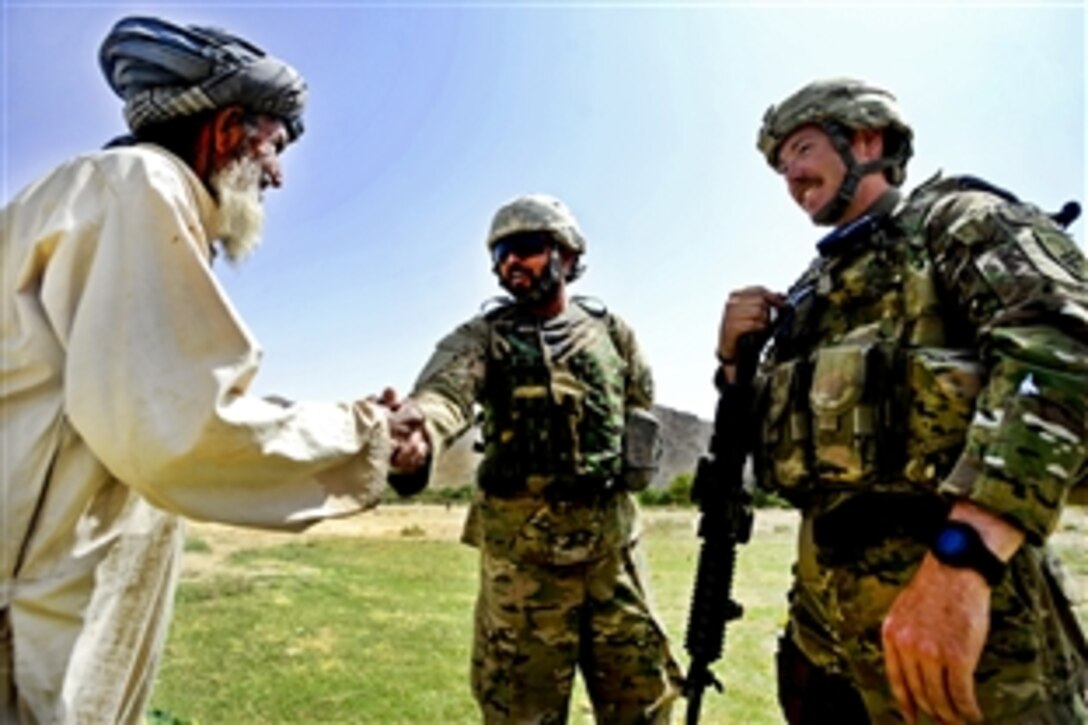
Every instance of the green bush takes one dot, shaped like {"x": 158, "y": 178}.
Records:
{"x": 652, "y": 497}
{"x": 677, "y": 493}
{"x": 764, "y": 499}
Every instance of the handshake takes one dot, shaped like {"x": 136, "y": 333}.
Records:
{"x": 409, "y": 443}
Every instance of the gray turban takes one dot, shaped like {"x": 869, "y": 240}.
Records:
{"x": 163, "y": 71}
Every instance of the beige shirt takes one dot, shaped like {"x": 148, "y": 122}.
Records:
{"x": 123, "y": 382}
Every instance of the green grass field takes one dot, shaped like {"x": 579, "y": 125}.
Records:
{"x": 376, "y": 629}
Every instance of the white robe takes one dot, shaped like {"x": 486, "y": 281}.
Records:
{"x": 123, "y": 404}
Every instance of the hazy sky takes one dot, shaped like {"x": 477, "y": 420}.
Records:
{"x": 425, "y": 117}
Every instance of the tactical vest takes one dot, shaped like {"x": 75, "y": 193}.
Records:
{"x": 870, "y": 381}
{"x": 553, "y": 404}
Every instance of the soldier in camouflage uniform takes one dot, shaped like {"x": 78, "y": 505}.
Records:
{"x": 923, "y": 402}
{"x": 567, "y": 435}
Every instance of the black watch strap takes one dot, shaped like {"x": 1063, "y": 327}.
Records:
{"x": 959, "y": 544}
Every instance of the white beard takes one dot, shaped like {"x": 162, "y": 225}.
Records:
{"x": 241, "y": 213}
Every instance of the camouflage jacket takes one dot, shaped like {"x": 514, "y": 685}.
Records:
{"x": 553, "y": 396}
{"x": 939, "y": 344}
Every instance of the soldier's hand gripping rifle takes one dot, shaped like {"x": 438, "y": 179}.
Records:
{"x": 725, "y": 520}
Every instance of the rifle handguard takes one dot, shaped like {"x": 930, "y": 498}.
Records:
{"x": 725, "y": 521}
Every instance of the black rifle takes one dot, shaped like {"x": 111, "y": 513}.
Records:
{"x": 725, "y": 520}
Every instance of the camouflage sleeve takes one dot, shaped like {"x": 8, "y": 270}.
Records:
{"x": 640, "y": 382}
{"x": 1022, "y": 284}
{"x": 451, "y": 382}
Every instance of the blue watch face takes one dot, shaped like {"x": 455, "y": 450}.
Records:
{"x": 952, "y": 542}
{"x": 959, "y": 545}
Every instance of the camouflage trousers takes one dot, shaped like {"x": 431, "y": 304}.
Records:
{"x": 536, "y": 624}
{"x": 1032, "y": 668}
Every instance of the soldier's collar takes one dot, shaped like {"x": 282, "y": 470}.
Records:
{"x": 842, "y": 238}
{"x": 885, "y": 204}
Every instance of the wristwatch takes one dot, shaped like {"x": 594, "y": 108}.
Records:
{"x": 959, "y": 544}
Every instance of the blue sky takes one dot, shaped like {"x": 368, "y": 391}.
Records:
{"x": 425, "y": 117}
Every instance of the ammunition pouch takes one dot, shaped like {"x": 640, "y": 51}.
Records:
{"x": 538, "y": 452}
{"x": 529, "y": 433}
{"x": 554, "y": 427}
{"x": 783, "y": 458}
{"x": 854, "y": 415}
{"x": 848, "y": 413}
{"x": 641, "y": 449}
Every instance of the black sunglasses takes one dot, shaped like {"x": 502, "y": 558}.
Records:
{"x": 523, "y": 245}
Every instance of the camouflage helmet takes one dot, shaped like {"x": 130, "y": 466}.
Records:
{"x": 848, "y": 102}
{"x": 537, "y": 213}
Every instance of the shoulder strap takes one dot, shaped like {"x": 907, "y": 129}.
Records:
{"x": 937, "y": 186}
{"x": 592, "y": 305}
{"x": 494, "y": 307}
{"x": 597, "y": 310}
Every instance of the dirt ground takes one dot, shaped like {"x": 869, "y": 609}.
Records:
{"x": 418, "y": 521}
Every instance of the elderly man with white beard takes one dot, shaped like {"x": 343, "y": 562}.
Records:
{"x": 125, "y": 368}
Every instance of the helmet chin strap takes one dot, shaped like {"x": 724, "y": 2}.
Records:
{"x": 540, "y": 290}
{"x": 832, "y": 211}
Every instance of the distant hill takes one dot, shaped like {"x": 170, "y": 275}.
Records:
{"x": 684, "y": 438}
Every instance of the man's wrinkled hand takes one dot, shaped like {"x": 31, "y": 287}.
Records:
{"x": 933, "y": 637}
{"x": 411, "y": 447}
